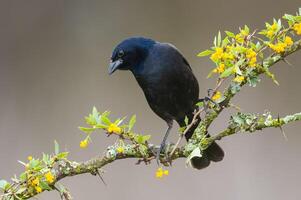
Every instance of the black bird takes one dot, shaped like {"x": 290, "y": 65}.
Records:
{"x": 168, "y": 83}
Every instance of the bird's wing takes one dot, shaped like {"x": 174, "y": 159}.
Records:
{"x": 179, "y": 52}
{"x": 169, "y": 84}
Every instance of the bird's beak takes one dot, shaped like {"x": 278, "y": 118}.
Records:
{"x": 114, "y": 66}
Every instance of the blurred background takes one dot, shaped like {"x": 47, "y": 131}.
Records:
{"x": 53, "y": 69}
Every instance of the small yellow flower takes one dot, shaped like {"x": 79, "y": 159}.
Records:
{"x": 83, "y": 144}
{"x": 221, "y": 68}
{"x": 160, "y": 172}
{"x": 35, "y": 181}
{"x": 279, "y": 47}
{"x": 113, "y": 128}
{"x": 217, "y": 96}
{"x": 270, "y": 33}
{"x": 29, "y": 158}
{"x": 38, "y": 189}
{"x": 239, "y": 79}
{"x": 240, "y": 38}
{"x": 288, "y": 41}
{"x": 297, "y": 28}
{"x": 229, "y": 56}
{"x": 120, "y": 149}
{"x": 250, "y": 53}
{"x": 49, "y": 177}
{"x": 274, "y": 27}
{"x": 252, "y": 62}
{"x": 217, "y": 55}
{"x": 229, "y": 48}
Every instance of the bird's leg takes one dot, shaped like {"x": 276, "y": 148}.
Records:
{"x": 162, "y": 145}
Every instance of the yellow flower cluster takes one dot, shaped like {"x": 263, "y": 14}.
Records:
{"x": 113, "y": 128}
{"x": 49, "y": 177}
{"x": 38, "y": 189}
{"x": 160, "y": 172}
{"x": 29, "y": 158}
{"x": 272, "y": 30}
{"x": 217, "y": 55}
{"x": 35, "y": 183}
{"x": 240, "y": 37}
{"x": 217, "y": 96}
{"x": 239, "y": 79}
{"x": 83, "y": 144}
{"x": 220, "y": 69}
{"x": 297, "y": 28}
{"x": 281, "y": 46}
{"x": 251, "y": 55}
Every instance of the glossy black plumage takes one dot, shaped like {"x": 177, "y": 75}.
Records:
{"x": 167, "y": 81}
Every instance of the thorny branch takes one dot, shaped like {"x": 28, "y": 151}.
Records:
{"x": 59, "y": 167}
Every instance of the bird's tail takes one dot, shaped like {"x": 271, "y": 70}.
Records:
{"x": 213, "y": 153}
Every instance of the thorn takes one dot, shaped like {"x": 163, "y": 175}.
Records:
{"x": 101, "y": 178}
{"x": 287, "y": 62}
{"x": 281, "y": 129}
{"x": 235, "y": 106}
{"x": 283, "y": 133}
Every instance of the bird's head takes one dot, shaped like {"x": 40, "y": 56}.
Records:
{"x": 130, "y": 53}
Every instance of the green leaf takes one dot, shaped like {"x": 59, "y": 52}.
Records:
{"x": 87, "y": 130}
{"x": 200, "y": 104}
{"x": 46, "y": 158}
{"x": 225, "y": 41}
{"x": 205, "y": 53}
{"x": 146, "y": 137}
{"x": 235, "y": 87}
{"x": 45, "y": 186}
{"x": 253, "y": 80}
{"x": 95, "y": 113}
{"x": 227, "y": 72}
{"x": 91, "y": 120}
{"x": 22, "y": 163}
{"x": 237, "y": 70}
{"x": 214, "y": 42}
{"x": 34, "y": 164}
{"x": 19, "y": 191}
{"x": 186, "y": 120}
{"x": 141, "y": 139}
{"x": 104, "y": 118}
{"x": 3, "y": 184}
{"x": 62, "y": 155}
{"x": 210, "y": 74}
{"x": 238, "y": 119}
{"x": 230, "y": 34}
{"x": 23, "y": 176}
{"x": 219, "y": 39}
{"x": 195, "y": 153}
{"x": 132, "y": 122}
{"x": 102, "y": 126}
{"x": 56, "y": 147}
{"x": 247, "y": 29}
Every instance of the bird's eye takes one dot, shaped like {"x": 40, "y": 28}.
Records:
{"x": 120, "y": 53}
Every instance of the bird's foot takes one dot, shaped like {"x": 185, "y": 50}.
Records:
{"x": 166, "y": 160}
{"x": 159, "y": 152}
{"x": 207, "y": 99}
